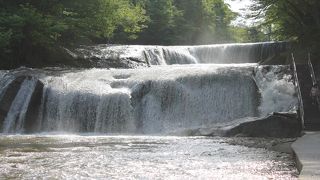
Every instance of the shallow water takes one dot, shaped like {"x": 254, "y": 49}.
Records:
{"x": 137, "y": 157}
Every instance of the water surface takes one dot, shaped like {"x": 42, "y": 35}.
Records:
{"x": 137, "y": 157}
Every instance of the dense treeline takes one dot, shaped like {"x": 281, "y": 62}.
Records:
{"x": 295, "y": 20}
{"x": 32, "y": 32}
{"x": 186, "y": 22}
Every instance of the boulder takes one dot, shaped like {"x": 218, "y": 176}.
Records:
{"x": 9, "y": 95}
{"x": 34, "y": 108}
{"x": 275, "y": 125}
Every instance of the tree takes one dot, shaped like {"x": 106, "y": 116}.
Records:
{"x": 297, "y": 20}
{"x": 162, "y": 15}
{"x": 186, "y": 22}
{"x": 32, "y": 29}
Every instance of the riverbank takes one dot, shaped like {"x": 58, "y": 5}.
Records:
{"x": 307, "y": 153}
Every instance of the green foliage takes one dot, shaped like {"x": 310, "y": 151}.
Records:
{"x": 5, "y": 37}
{"x": 31, "y": 28}
{"x": 216, "y": 19}
{"x": 162, "y": 16}
{"x": 187, "y": 22}
{"x": 297, "y": 20}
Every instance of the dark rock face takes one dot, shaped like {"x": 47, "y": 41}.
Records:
{"x": 9, "y": 96}
{"x": 104, "y": 56}
{"x": 276, "y": 125}
{"x": 33, "y": 108}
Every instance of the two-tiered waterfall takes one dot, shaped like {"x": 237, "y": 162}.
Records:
{"x": 215, "y": 84}
{"x": 110, "y": 122}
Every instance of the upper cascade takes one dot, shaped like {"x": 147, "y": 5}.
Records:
{"x": 139, "y": 55}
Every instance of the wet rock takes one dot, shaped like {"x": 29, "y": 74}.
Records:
{"x": 33, "y": 108}
{"x": 8, "y": 96}
{"x": 283, "y": 147}
{"x": 107, "y": 56}
{"x": 276, "y": 125}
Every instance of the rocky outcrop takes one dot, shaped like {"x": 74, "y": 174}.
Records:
{"x": 277, "y": 125}
{"x": 109, "y": 56}
{"x": 33, "y": 108}
{"x": 9, "y": 95}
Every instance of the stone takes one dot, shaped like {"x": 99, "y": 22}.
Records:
{"x": 9, "y": 96}
{"x": 307, "y": 154}
{"x": 275, "y": 125}
{"x": 33, "y": 108}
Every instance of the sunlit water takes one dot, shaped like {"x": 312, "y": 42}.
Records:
{"x": 137, "y": 157}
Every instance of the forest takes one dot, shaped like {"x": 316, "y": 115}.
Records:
{"x": 32, "y": 32}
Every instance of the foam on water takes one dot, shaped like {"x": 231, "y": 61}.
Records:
{"x": 277, "y": 89}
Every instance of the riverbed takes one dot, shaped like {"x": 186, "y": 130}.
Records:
{"x": 137, "y": 157}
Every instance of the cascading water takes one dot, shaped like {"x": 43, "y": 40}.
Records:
{"x": 102, "y": 55}
{"x": 184, "y": 90}
{"x": 5, "y": 80}
{"x": 154, "y": 100}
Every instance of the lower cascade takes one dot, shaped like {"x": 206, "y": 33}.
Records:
{"x": 154, "y": 100}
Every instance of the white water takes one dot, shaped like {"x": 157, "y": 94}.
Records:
{"x": 277, "y": 90}
{"x": 156, "y": 100}
{"x": 168, "y": 55}
{"x": 5, "y": 80}
{"x": 152, "y": 100}
{"x": 159, "y": 99}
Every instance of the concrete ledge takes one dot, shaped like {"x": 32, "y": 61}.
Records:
{"x": 307, "y": 151}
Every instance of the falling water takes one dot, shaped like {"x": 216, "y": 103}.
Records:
{"x": 153, "y": 100}
{"x": 5, "y": 80}
{"x": 184, "y": 88}
{"x": 158, "y": 99}
{"x": 168, "y": 55}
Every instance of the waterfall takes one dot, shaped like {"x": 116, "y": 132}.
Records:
{"x": 196, "y": 93}
{"x": 153, "y": 100}
{"x": 5, "y": 80}
{"x": 277, "y": 89}
{"x": 168, "y": 55}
